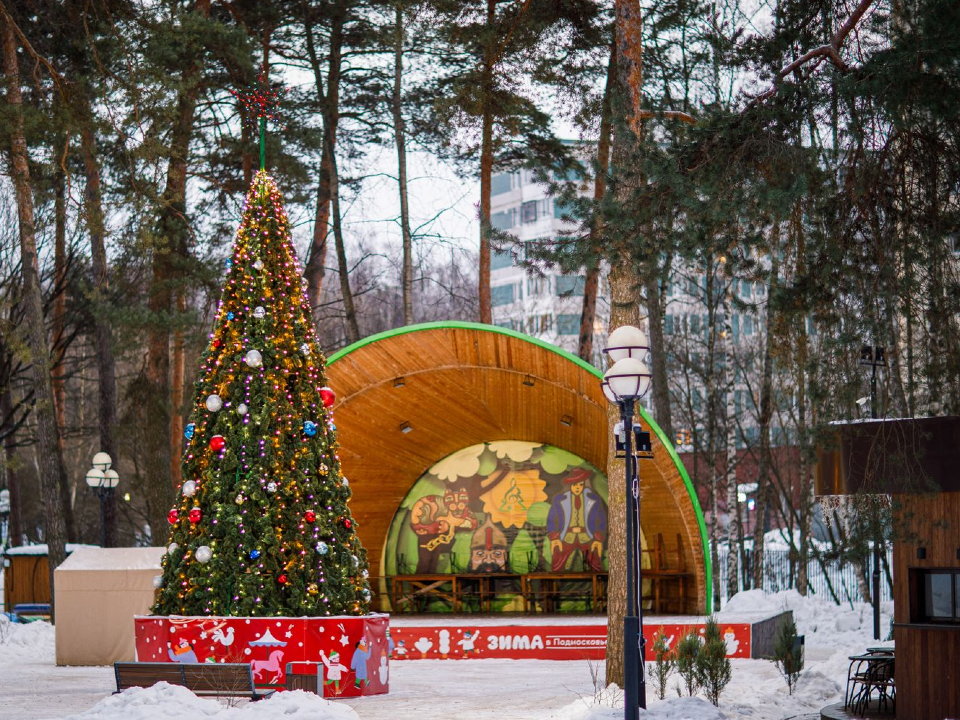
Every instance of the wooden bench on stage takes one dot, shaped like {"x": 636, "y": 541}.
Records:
{"x": 411, "y": 593}
{"x": 212, "y": 679}
{"x": 548, "y": 590}
{"x": 661, "y": 572}
{"x": 666, "y": 578}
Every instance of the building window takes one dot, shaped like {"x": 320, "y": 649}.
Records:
{"x": 694, "y": 324}
{"x": 568, "y": 324}
{"x": 538, "y": 285}
{"x": 539, "y": 324}
{"x": 570, "y": 285}
{"x": 500, "y": 259}
{"x": 938, "y": 596}
{"x": 500, "y": 183}
{"x": 528, "y": 212}
{"x": 502, "y": 220}
{"x": 502, "y": 294}
{"x": 668, "y": 324}
{"x": 748, "y": 328}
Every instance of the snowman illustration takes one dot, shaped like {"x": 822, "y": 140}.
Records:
{"x": 731, "y": 641}
{"x": 383, "y": 671}
{"x": 444, "y": 646}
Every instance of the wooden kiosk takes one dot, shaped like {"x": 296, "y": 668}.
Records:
{"x": 914, "y": 461}
{"x": 418, "y": 404}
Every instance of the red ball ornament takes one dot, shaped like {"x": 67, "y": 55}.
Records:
{"x": 347, "y": 523}
{"x": 195, "y": 515}
{"x": 309, "y": 516}
{"x": 282, "y": 579}
{"x": 328, "y": 397}
{"x": 172, "y": 517}
{"x": 217, "y": 443}
{"x": 216, "y": 343}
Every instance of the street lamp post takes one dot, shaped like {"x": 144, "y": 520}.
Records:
{"x": 102, "y": 480}
{"x": 627, "y": 380}
{"x": 874, "y": 357}
{"x": 4, "y": 518}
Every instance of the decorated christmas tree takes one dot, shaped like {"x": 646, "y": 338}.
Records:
{"x": 262, "y": 525}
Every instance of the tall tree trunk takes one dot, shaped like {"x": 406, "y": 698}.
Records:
{"x": 399, "y": 132}
{"x": 734, "y": 530}
{"x": 15, "y": 522}
{"x": 659, "y": 380}
{"x": 713, "y": 411}
{"x": 486, "y": 169}
{"x": 624, "y": 310}
{"x": 591, "y": 285}
{"x": 51, "y": 462}
{"x": 59, "y": 314}
{"x": 806, "y": 484}
{"x": 349, "y": 308}
{"x": 103, "y": 338}
{"x": 766, "y": 413}
{"x": 172, "y": 247}
{"x": 329, "y": 105}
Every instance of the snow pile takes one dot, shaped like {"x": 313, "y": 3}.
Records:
{"x": 171, "y": 702}
{"x": 822, "y": 623}
{"x": 608, "y": 705}
{"x": 756, "y": 690}
{"x": 26, "y": 643}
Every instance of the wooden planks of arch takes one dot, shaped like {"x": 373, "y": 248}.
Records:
{"x": 410, "y": 397}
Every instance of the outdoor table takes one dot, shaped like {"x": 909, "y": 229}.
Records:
{"x": 869, "y": 670}
{"x": 881, "y": 650}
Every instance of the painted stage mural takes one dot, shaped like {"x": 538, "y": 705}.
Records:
{"x": 504, "y": 507}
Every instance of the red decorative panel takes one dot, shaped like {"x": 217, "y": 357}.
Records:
{"x": 354, "y": 651}
{"x": 538, "y": 642}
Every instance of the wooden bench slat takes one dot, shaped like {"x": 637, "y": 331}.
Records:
{"x": 222, "y": 679}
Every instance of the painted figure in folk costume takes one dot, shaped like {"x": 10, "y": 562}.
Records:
{"x": 577, "y": 522}
{"x": 436, "y": 519}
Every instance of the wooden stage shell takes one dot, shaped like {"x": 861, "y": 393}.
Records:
{"x": 409, "y": 397}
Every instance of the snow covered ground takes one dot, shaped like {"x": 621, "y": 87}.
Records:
{"x": 32, "y": 687}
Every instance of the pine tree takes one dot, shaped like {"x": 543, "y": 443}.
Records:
{"x": 262, "y": 525}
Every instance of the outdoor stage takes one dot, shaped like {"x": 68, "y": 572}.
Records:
{"x": 571, "y": 637}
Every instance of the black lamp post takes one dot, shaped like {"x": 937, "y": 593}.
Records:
{"x": 874, "y": 357}
{"x": 4, "y": 518}
{"x": 624, "y": 383}
{"x": 102, "y": 480}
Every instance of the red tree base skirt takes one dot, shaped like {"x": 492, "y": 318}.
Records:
{"x": 352, "y": 652}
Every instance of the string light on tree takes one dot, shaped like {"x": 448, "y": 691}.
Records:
{"x": 265, "y": 496}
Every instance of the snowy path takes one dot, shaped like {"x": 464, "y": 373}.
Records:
{"x": 32, "y": 687}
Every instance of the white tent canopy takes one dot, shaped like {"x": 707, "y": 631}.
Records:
{"x": 98, "y": 592}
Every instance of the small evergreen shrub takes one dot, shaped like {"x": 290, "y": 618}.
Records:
{"x": 688, "y": 649}
{"x": 713, "y": 667}
{"x": 664, "y": 663}
{"x": 788, "y": 652}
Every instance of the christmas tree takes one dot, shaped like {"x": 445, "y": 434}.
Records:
{"x": 262, "y": 525}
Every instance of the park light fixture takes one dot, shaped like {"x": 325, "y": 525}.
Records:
{"x": 628, "y": 380}
{"x": 102, "y": 480}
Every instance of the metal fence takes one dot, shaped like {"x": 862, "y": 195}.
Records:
{"x": 781, "y": 574}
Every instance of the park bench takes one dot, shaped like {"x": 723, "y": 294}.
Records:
{"x": 210, "y": 679}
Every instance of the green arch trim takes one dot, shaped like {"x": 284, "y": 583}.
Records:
{"x": 460, "y": 325}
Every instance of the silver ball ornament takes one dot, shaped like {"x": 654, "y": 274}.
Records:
{"x": 172, "y": 548}
{"x": 158, "y": 581}
{"x": 259, "y": 312}
{"x": 305, "y": 348}
{"x": 214, "y": 403}
{"x": 271, "y": 487}
{"x": 322, "y": 547}
{"x": 253, "y": 358}
{"x": 258, "y": 264}
{"x": 189, "y": 488}
{"x": 242, "y": 409}
{"x": 203, "y": 554}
